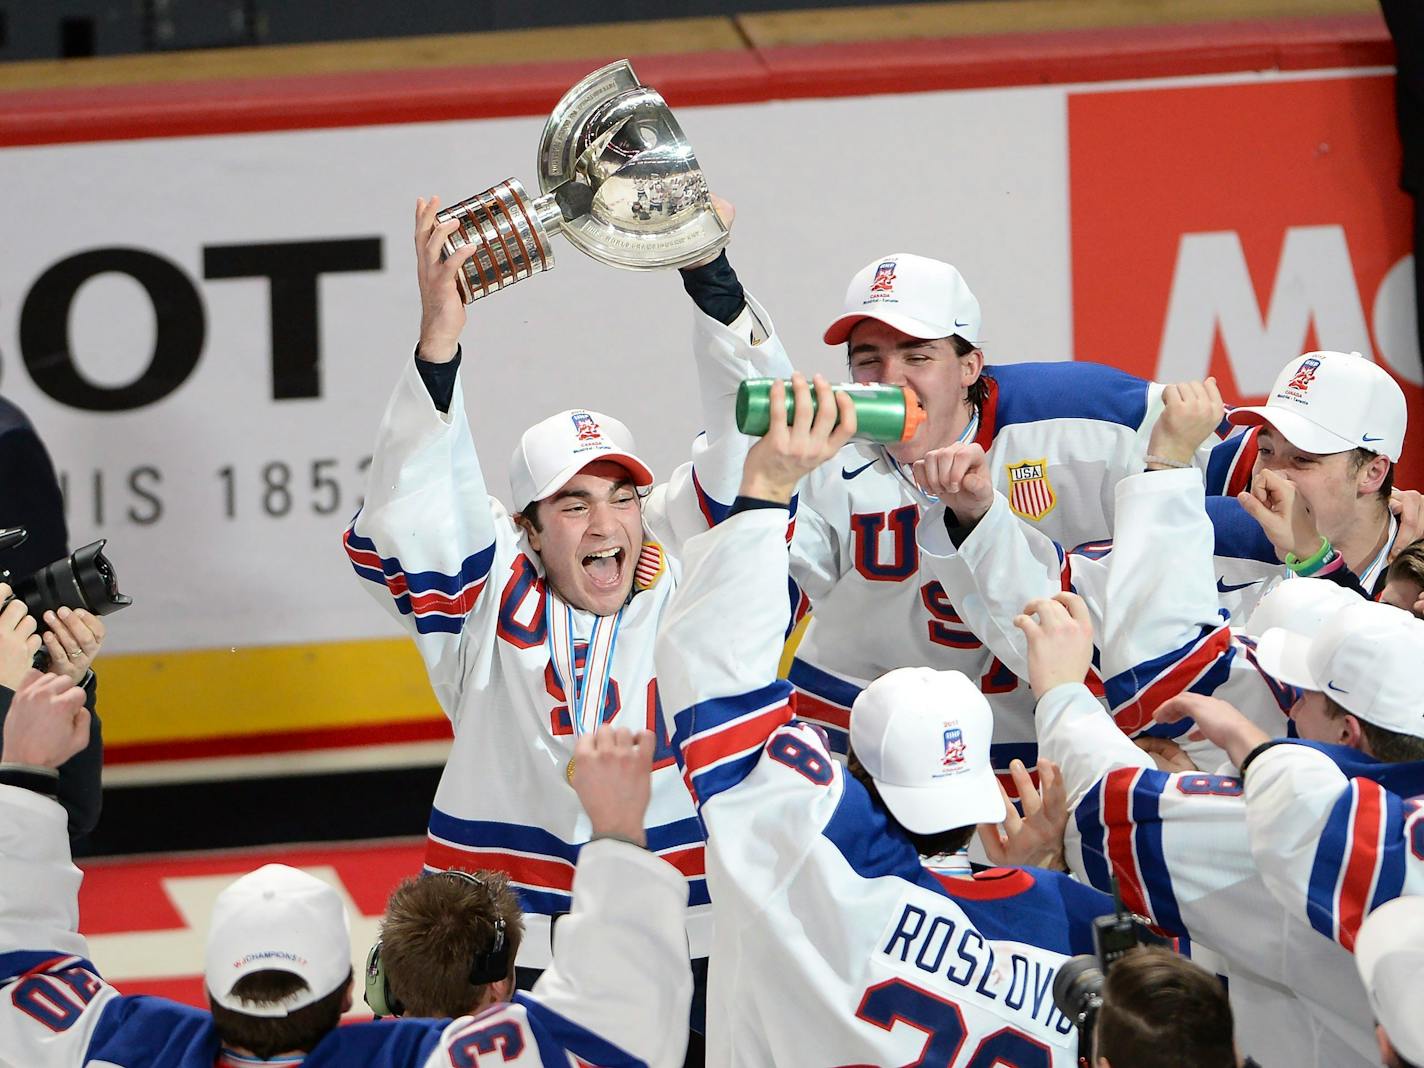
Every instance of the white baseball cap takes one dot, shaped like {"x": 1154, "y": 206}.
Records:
{"x": 1301, "y": 605}
{"x": 1326, "y": 402}
{"x": 1363, "y": 659}
{"x": 1389, "y": 952}
{"x": 923, "y": 736}
{"x": 279, "y": 919}
{"x": 918, "y": 296}
{"x": 551, "y": 452}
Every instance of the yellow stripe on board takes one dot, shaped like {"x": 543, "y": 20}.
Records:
{"x": 213, "y": 693}
{"x": 207, "y": 693}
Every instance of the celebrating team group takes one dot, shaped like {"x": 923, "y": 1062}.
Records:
{"x": 824, "y": 751}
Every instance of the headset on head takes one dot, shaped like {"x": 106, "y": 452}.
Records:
{"x": 488, "y": 967}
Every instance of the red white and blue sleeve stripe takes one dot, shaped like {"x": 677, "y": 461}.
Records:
{"x": 1121, "y": 828}
{"x": 540, "y": 864}
{"x": 824, "y": 700}
{"x": 1199, "y": 666}
{"x": 438, "y": 602}
{"x": 719, "y": 741}
{"x": 714, "y": 511}
{"x": 1361, "y": 860}
{"x": 1228, "y": 470}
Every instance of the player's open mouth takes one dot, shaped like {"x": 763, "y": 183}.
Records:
{"x": 604, "y": 568}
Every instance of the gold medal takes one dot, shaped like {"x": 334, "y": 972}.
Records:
{"x": 569, "y": 771}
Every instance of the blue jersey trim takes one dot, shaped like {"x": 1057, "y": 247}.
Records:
{"x": 1072, "y": 389}
{"x": 1218, "y": 465}
{"x": 1237, "y": 535}
{"x": 1151, "y": 858}
{"x": 17, "y": 963}
{"x": 150, "y": 1030}
{"x": 822, "y": 683}
{"x": 1325, "y": 871}
{"x": 1055, "y": 913}
{"x": 557, "y": 1036}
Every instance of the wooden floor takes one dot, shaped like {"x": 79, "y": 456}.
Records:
{"x": 672, "y": 36}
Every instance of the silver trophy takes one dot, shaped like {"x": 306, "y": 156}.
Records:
{"x": 617, "y": 178}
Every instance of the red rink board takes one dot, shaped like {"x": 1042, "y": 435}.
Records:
{"x": 127, "y": 896}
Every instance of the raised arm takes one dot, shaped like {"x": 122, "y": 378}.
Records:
{"x": 620, "y": 974}
{"x": 734, "y": 339}
{"x": 988, "y": 562}
{"x": 51, "y": 999}
{"x": 426, "y": 538}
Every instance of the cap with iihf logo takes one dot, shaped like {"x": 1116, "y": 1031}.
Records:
{"x": 924, "y": 298}
{"x": 923, "y": 736}
{"x": 555, "y": 449}
{"x": 1327, "y": 402}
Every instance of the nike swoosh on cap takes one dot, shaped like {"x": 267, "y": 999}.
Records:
{"x": 847, "y": 473}
{"x": 958, "y": 323}
{"x": 1222, "y": 586}
{"x": 1367, "y": 437}
{"x": 1331, "y": 686}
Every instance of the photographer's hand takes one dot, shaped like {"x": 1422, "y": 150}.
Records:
{"x": 18, "y": 641}
{"x": 72, "y": 641}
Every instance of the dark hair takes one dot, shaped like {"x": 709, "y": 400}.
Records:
{"x": 1359, "y": 458}
{"x": 1409, "y": 564}
{"x": 1162, "y": 1011}
{"x": 531, "y": 512}
{"x": 979, "y": 391}
{"x": 267, "y": 1036}
{"x": 434, "y": 928}
{"x": 927, "y": 845}
{"x": 1386, "y": 746}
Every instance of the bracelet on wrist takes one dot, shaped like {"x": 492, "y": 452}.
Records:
{"x": 618, "y": 838}
{"x": 1162, "y": 461}
{"x": 1312, "y": 563}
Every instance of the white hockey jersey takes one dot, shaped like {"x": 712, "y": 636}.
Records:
{"x": 617, "y": 993}
{"x": 1160, "y": 628}
{"x": 1178, "y": 845}
{"x": 1335, "y": 833}
{"x": 445, "y": 557}
{"x": 1058, "y": 436}
{"x": 834, "y": 944}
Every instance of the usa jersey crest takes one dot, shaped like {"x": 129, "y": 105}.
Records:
{"x": 1031, "y": 495}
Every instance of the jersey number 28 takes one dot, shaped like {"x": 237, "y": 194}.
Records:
{"x": 898, "y": 1002}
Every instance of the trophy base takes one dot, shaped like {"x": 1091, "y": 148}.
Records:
{"x": 508, "y": 232}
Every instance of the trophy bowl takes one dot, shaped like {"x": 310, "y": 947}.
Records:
{"x": 616, "y": 177}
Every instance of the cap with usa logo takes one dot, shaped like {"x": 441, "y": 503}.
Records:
{"x": 1326, "y": 402}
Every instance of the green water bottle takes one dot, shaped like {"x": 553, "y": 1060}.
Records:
{"x": 887, "y": 414}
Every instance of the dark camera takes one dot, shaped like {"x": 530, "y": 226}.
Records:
{"x": 83, "y": 579}
{"x": 1078, "y": 986}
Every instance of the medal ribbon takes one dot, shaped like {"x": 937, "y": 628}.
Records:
{"x": 898, "y": 470}
{"x": 597, "y": 664}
